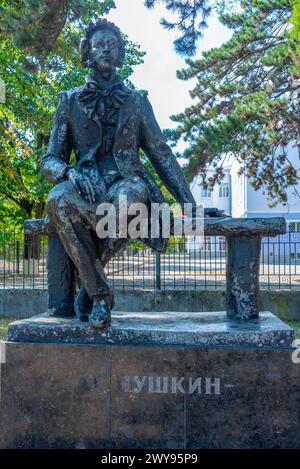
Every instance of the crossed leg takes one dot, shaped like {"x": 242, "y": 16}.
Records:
{"x": 75, "y": 220}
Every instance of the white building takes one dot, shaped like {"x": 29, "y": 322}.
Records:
{"x": 237, "y": 198}
{"x": 219, "y": 197}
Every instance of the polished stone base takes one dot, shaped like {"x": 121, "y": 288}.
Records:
{"x": 105, "y": 394}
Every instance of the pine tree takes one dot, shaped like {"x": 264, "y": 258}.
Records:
{"x": 296, "y": 32}
{"x": 245, "y": 99}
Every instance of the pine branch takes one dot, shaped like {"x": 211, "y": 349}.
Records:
{"x": 192, "y": 20}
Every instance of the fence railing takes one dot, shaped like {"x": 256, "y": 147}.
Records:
{"x": 188, "y": 264}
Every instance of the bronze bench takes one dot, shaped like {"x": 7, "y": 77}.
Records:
{"x": 243, "y": 237}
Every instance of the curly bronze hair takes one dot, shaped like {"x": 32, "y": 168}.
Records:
{"x": 101, "y": 24}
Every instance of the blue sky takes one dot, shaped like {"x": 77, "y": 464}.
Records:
{"x": 167, "y": 94}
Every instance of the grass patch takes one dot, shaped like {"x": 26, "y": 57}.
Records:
{"x": 296, "y": 326}
{"x": 3, "y": 327}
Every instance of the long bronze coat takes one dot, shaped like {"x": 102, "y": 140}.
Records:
{"x": 75, "y": 129}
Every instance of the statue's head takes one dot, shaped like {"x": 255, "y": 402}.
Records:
{"x": 103, "y": 46}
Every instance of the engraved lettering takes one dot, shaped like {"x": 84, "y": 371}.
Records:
{"x": 139, "y": 383}
{"x": 195, "y": 385}
{"x": 212, "y": 384}
{"x": 126, "y": 383}
{"x": 171, "y": 385}
{"x": 161, "y": 384}
{"x": 157, "y": 384}
{"x": 177, "y": 386}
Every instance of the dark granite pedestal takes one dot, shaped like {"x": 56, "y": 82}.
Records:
{"x": 152, "y": 380}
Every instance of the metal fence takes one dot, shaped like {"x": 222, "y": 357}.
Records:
{"x": 188, "y": 264}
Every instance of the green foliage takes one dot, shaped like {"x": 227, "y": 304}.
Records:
{"x": 151, "y": 170}
{"x": 296, "y": 326}
{"x": 296, "y": 18}
{"x": 4, "y": 327}
{"x": 246, "y": 98}
{"x": 35, "y": 25}
{"x": 296, "y": 34}
{"x": 136, "y": 245}
{"x": 177, "y": 245}
{"x": 32, "y": 89}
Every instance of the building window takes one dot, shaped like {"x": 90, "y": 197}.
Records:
{"x": 224, "y": 190}
{"x": 222, "y": 244}
{"x": 206, "y": 192}
{"x": 295, "y": 227}
{"x": 207, "y": 243}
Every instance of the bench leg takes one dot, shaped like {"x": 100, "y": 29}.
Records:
{"x": 61, "y": 279}
{"x": 243, "y": 276}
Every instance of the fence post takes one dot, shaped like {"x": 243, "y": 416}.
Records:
{"x": 18, "y": 256}
{"x": 157, "y": 271}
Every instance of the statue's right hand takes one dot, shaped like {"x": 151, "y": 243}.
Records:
{"x": 82, "y": 184}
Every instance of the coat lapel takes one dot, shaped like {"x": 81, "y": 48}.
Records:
{"x": 124, "y": 115}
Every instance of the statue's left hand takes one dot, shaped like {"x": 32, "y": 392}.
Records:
{"x": 82, "y": 184}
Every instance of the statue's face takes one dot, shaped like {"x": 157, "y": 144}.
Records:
{"x": 104, "y": 49}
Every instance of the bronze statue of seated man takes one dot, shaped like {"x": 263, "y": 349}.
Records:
{"x": 105, "y": 124}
